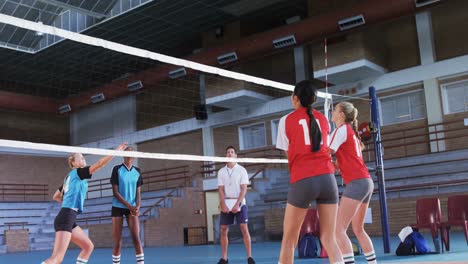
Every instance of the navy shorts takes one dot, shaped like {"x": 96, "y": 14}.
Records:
{"x": 65, "y": 220}
{"x": 240, "y": 217}
{"x": 119, "y": 212}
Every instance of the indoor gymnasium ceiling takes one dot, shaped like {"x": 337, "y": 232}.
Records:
{"x": 166, "y": 26}
{"x": 47, "y": 12}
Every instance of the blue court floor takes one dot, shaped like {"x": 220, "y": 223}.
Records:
{"x": 263, "y": 253}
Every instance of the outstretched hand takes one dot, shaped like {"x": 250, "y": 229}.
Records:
{"x": 121, "y": 146}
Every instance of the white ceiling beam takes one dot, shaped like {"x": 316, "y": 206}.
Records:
{"x": 72, "y": 7}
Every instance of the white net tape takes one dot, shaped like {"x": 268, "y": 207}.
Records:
{"x": 136, "y": 154}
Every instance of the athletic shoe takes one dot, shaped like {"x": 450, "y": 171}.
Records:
{"x": 223, "y": 261}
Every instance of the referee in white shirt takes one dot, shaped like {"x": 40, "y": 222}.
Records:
{"x": 232, "y": 185}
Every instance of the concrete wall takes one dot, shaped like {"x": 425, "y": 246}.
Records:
{"x": 34, "y": 127}
{"x": 188, "y": 143}
{"x": 401, "y": 42}
{"x": 102, "y": 121}
{"x": 168, "y": 228}
{"x": 212, "y": 203}
{"x": 23, "y": 169}
{"x": 167, "y": 102}
{"x": 449, "y": 24}
{"x": 392, "y": 45}
{"x": 277, "y": 67}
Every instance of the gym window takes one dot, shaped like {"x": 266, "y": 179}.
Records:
{"x": 455, "y": 97}
{"x": 274, "y": 131}
{"x": 252, "y": 136}
{"x": 401, "y": 108}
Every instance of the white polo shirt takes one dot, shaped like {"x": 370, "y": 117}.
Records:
{"x": 232, "y": 179}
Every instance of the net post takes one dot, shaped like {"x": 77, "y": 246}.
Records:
{"x": 379, "y": 168}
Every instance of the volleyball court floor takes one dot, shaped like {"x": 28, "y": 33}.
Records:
{"x": 265, "y": 252}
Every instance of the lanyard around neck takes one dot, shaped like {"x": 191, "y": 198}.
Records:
{"x": 232, "y": 171}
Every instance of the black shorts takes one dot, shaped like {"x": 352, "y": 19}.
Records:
{"x": 120, "y": 212}
{"x": 65, "y": 220}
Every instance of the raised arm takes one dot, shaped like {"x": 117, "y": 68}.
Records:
{"x": 103, "y": 161}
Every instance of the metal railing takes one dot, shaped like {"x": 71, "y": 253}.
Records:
{"x": 154, "y": 180}
{"x": 19, "y": 192}
{"x": 403, "y": 142}
{"x": 162, "y": 200}
{"x": 148, "y": 209}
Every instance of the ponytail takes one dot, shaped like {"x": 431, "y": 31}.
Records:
{"x": 71, "y": 159}
{"x": 351, "y": 114}
{"x": 354, "y": 125}
{"x": 306, "y": 91}
{"x": 315, "y": 133}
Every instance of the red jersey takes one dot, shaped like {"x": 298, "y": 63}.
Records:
{"x": 294, "y": 137}
{"x": 348, "y": 153}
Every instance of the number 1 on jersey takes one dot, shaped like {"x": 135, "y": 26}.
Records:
{"x": 305, "y": 128}
{"x": 358, "y": 146}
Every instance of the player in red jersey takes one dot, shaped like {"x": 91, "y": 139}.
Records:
{"x": 346, "y": 144}
{"x": 303, "y": 135}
